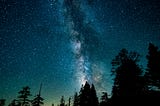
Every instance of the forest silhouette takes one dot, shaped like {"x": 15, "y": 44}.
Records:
{"x": 132, "y": 85}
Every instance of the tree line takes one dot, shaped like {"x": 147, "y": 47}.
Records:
{"x": 23, "y": 98}
{"x": 133, "y": 85}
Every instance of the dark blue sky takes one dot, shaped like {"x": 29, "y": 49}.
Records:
{"x": 62, "y": 44}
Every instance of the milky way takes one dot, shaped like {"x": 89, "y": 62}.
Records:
{"x": 83, "y": 40}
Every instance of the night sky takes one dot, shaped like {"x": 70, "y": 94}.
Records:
{"x": 63, "y": 43}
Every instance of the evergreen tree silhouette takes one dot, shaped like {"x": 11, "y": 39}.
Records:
{"x": 128, "y": 79}
{"x": 38, "y": 100}
{"x": 85, "y": 95}
{"x": 69, "y": 101}
{"x": 88, "y": 96}
{"x": 2, "y": 102}
{"x": 14, "y": 103}
{"x": 80, "y": 96}
{"x": 23, "y": 96}
{"x": 76, "y": 99}
{"x": 104, "y": 99}
{"x": 62, "y": 101}
{"x": 153, "y": 67}
{"x": 93, "y": 95}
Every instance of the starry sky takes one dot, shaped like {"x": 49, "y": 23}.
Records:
{"x": 63, "y": 43}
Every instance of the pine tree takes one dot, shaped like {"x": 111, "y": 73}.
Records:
{"x": 62, "y": 101}
{"x": 76, "y": 99}
{"x": 88, "y": 96}
{"x": 80, "y": 96}
{"x": 104, "y": 99}
{"x": 38, "y": 100}
{"x": 23, "y": 96}
{"x": 2, "y": 102}
{"x": 69, "y": 101}
{"x": 13, "y": 103}
{"x": 93, "y": 95}
{"x": 153, "y": 67}
{"x": 128, "y": 75}
{"x": 85, "y": 95}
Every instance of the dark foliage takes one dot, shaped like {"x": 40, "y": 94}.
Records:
{"x": 2, "y": 102}
{"x": 62, "y": 101}
{"x": 104, "y": 99}
{"x": 14, "y": 103}
{"x": 38, "y": 100}
{"x": 23, "y": 96}
{"x": 153, "y": 67}
{"x": 87, "y": 96}
{"x": 76, "y": 99}
{"x": 130, "y": 87}
{"x": 128, "y": 75}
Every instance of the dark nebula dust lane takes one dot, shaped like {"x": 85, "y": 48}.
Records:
{"x": 84, "y": 39}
